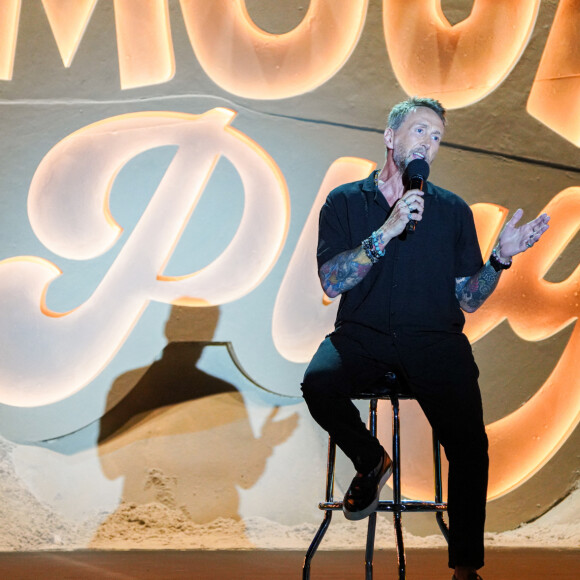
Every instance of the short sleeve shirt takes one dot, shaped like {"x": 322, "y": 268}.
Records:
{"x": 413, "y": 286}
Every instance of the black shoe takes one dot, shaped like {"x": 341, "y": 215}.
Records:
{"x": 472, "y": 576}
{"x": 362, "y": 497}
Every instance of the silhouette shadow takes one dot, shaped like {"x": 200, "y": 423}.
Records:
{"x": 181, "y": 437}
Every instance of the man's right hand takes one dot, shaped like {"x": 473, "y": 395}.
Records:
{"x": 409, "y": 207}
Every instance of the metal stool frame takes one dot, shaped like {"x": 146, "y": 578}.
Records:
{"x": 391, "y": 390}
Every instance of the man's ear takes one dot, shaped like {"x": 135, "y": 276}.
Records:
{"x": 388, "y": 137}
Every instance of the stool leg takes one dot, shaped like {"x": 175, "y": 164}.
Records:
{"x": 327, "y": 513}
{"x": 370, "y": 546}
{"x": 373, "y": 517}
{"x": 397, "y": 488}
{"x": 439, "y": 487}
{"x": 400, "y": 545}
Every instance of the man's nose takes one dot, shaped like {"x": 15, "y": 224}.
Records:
{"x": 424, "y": 144}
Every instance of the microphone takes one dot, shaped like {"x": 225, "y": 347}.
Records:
{"x": 415, "y": 176}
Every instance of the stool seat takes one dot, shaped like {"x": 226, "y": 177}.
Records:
{"x": 392, "y": 388}
{"x": 386, "y": 387}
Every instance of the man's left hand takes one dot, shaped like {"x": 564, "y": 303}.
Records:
{"x": 514, "y": 240}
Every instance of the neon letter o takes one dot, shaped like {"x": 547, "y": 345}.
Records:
{"x": 249, "y": 62}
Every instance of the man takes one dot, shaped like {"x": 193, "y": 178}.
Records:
{"x": 402, "y": 296}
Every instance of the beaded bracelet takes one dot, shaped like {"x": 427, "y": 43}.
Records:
{"x": 496, "y": 263}
{"x": 375, "y": 239}
{"x": 371, "y": 247}
{"x": 368, "y": 248}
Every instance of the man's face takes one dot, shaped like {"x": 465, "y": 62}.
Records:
{"x": 418, "y": 137}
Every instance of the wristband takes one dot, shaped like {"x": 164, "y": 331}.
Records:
{"x": 496, "y": 263}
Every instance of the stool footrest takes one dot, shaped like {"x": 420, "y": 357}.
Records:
{"x": 390, "y": 506}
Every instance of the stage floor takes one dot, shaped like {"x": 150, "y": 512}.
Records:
{"x": 502, "y": 564}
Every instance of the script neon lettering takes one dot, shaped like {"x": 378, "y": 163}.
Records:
{"x": 77, "y": 175}
{"x": 302, "y": 313}
{"x": 536, "y": 309}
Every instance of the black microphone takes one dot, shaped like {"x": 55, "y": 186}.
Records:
{"x": 415, "y": 176}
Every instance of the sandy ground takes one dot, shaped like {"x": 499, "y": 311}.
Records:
{"x": 28, "y": 525}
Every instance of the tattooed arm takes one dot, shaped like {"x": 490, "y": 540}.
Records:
{"x": 473, "y": 291}
{"x": 344, "y": 271}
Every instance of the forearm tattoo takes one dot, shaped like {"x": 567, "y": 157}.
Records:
{"x": 344, "y": 271}
{"x": 474, "y": 291}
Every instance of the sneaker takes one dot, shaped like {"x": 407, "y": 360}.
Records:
{"x": 362, "y": 497}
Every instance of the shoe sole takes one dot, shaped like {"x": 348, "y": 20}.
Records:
{"x": 372, "y": 507}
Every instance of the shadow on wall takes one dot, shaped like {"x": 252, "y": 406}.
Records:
{"x": 181, "y": 438}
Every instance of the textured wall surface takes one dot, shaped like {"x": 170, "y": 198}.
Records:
{"x": 189, "y": 431}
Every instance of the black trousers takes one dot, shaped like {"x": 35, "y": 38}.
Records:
{"x": 442, "y": 374}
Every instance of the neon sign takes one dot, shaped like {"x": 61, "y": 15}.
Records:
{"x": 459, "y": 64}
{"x": 69, "y": 212}
{"x": 76, "y": 222}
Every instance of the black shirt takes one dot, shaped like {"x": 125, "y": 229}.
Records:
{"x": 413, "y": 286}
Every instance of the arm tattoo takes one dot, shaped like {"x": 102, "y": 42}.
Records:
{"x": 474, "y": 291}
{"x": 344, "y": 271}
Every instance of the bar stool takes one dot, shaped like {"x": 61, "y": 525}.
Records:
{"x": 390, "y": 388}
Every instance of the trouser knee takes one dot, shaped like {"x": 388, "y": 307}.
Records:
{"x": 316, "y": 386}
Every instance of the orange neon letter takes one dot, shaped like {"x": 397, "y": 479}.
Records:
{"x": 68, "y": 207}
{"x": 68, "y": 21}
{"x": 300, "y": 320}
{"x": 535, "y": 309}
{"x": 249, "y": 62}
{"x": 143, "y": 36}
{"x": 555, "y": 96}
{"x": 9, "y": 18}
{"x": 538, "y": 428}
{"x": 144, "y": 42}
{"x": 459, "y": 64}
